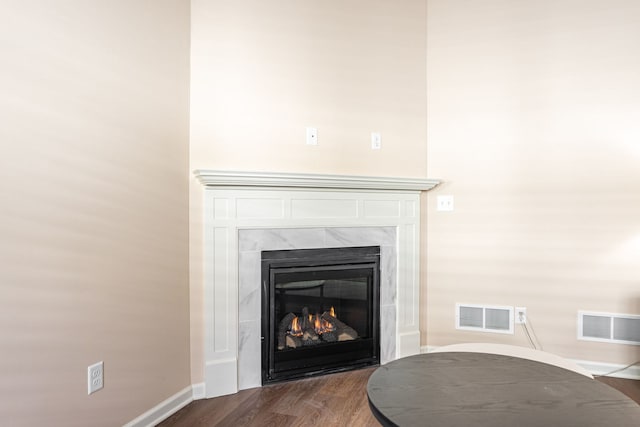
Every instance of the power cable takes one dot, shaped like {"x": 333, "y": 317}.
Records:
{"x": 533, "y": 331}
{"x": 526, "y": 331}
{"x": 618, "y": 370}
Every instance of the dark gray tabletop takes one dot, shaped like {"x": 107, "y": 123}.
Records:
{"x": 478, "y": 389}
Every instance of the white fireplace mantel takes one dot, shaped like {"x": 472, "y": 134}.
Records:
{"x": 215, "y": 178}
{"x": 246, "y": 212}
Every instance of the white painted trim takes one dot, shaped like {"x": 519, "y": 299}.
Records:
{"x": 199, "y": 391}
{"x": 214, "y": 178}
{"x": 164, "y": 409}
{"x": 221, "y": 376}
{"x": 427, "y": 348}
{"x": 229, "y": 210}
{"x": 408, "y": 343}
{"x": 603, "y": 368}
{"x": 596, "y": 368}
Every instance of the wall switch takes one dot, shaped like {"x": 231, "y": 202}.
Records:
{"x": 444, "y": 203}
{"x": 95, "y": 377}
{"x": 312, "y": 136}
{"x": 376, "y": 141}
{"x": 521, "y": 315}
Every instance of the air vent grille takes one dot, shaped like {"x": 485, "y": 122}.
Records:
{"x": 484, "y": 318}
{"x": 609, "y": 327}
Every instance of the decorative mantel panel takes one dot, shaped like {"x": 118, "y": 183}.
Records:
{"x": 302, "y": 206}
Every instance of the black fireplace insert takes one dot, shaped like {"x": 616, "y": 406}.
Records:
{"x": 320, "y": 311}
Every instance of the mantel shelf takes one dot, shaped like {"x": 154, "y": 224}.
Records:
{"x": 216, "y": 178}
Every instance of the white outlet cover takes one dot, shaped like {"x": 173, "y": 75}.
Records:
{"x": 376, "y": 141}
{"x": 95, "y": 377}
{"x": 444, "y": 203}
{"x": 516, "y": 315}
{"x": 312, "y": 136}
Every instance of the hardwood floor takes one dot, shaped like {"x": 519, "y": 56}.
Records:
{"x": 332, "y": 400}
{"x": 629, "y": 387}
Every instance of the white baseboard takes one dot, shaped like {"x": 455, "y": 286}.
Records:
{"x": 199, "y": 391}
{"x": 408, "y": 343}
{"x": 602, "y": 368}
{"x": 164, "y": 410}
{"x": 220, "y": 377}
{"x": 427, "y": 348}
{"x": 596, "y": 368}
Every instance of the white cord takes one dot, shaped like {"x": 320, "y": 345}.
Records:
{"x": 618, "y": 370}
{"x": 533, "y": 331}
{"x": 526, "y": 331}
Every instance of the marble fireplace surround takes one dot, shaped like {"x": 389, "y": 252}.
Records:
{"x": 252, "y": 242}
{"x": 247, "y": 212}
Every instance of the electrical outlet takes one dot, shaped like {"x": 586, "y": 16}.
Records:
{"x": 95, "y": 377}
{"x": 521, "y": 315}
{"x": 444, "y": 203}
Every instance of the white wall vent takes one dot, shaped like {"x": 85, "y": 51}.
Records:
{"x": 609, "y": 327}
{"x": 485, "y": 318}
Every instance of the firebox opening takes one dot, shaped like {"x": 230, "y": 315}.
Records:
{"x": 320, "y": 311}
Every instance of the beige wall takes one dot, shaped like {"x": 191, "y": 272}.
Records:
{"x": 94, "y": 208}
{"x": 262, "y": 71}
{"x": 534, "y": 124}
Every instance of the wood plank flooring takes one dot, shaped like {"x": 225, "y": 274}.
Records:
{"x": 331, "y": 400}
{"x": 629, "y": 387}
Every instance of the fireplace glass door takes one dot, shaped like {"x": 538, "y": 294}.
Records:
{"x": 320, "y": 311}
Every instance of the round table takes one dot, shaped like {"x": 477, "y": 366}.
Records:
{"x": 462, "y": 389}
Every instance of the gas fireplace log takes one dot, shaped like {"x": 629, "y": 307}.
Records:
{"x": 329, "y": 337}
{"x": 304, "y": 321}
{"x": 309, "y": 335}
{"x": 284, "y": 325}
{"x": 347, "y": 334}
{"x": 342, "y": 330}
{"x": 330, "y": 320}
{"x": 293, "y": 342}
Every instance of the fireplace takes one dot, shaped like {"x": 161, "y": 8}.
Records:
{"x": 320, "y": 311}
{"x": 246, "y": 213}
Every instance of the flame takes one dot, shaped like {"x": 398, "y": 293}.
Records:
{"x": 296, "y": 331}
{"x": 321, "y": 326}
{"x": 328, "y": 327}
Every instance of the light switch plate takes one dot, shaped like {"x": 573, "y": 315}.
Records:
{"x": 376, "y": 141}
{"x": 312, "y": 136}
